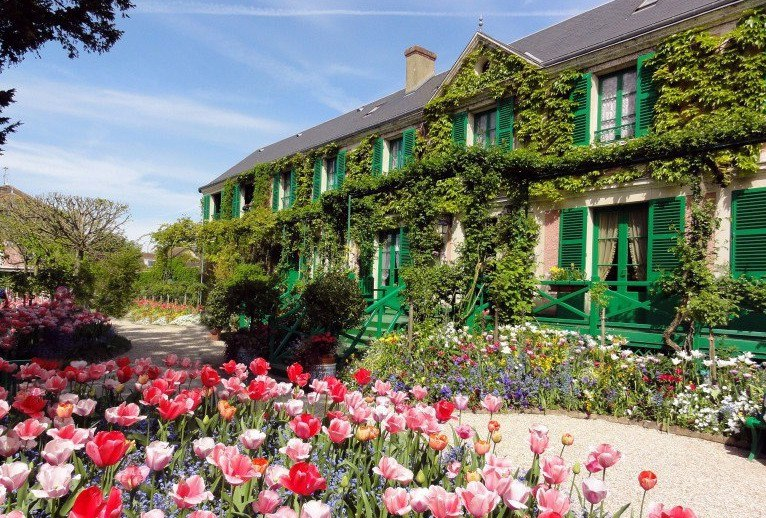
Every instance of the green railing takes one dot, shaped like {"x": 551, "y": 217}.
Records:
{"x": 389, "y": 306}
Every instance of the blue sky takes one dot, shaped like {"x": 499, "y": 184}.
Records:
{"x": 193, "y": 87}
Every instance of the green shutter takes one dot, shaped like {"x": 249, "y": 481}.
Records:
{"x": 275, "y": 193}
{"x": 581, "y": 111}
{"x": 340, "y": 169}
{"x": 377, "y": 157}
{"x": 505, "y": 123}
{"x": 459, "y": 128}
{"x": 316, "y": 189}
{"x": 666, "y": 222}
{"x": 293, "y": 186}
{"x": 408, "y": 145}
{"x": 646, "y": 95}
{"x": 236, "y": 201}
{"x": 572, "y": 225}
{"x": 405, "y": 258}
{"x": 748, "y": 232}
{"x": 205, "y": 207}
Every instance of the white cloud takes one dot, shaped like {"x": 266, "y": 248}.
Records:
{"x": 156, "y": 192}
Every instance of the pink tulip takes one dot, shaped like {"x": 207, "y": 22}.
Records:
{"x": 9, "y": 444}
{"x": 397, "y": 501}
{"x": 464, "y": 431}
{"x": 497, "y": 462}
{"x": 315, "y": 509}
{"x": 594, "y": 490}
{"x": 12, "y": 514}
{"x": 202, "y": 447}
{"x": 154, "y": 513}
{"x": 13, "y": 475}
{"x": 57, "y": 451}
{"x": 54, "y": 481}
{"x": 492, "y": 403}
{"x": 419, "y": 500}
{"x": 382, "y": 388}
{"x": 283, "y": 512}
{"x": 78, "y": 436}
{"x": 338, "y": 431}
{"x": 453, "y": 469}
{"x": 293, "y": 407}
{"x": 443, "y": 504}
{"x": 252, "y": 439}
{"x": 461, "y": 402}
{"x": 395, "y": 423}
{"x": 552, "y": 500}
{"x": 190, "y": 492}
{"x": 517, "y": 495}
{"x": 602, "y": 457}
{"x": 202, "y": 514}
{"x": 477, "y": 499}
{"x": 266, "y": 502}
{"x": 85, "y": 407}
{"x": 126, "y": 414}
{"x": 538, "y": 439}
{"x": 4, "y": 408}
{"x": 555, "y": 470}
{"x": 496, "y": 479}
{"x": 296, "y": 450}
{"x": 236, "y": 468}
{"x": 658, "y": 511}
{"x": 419, "y": 393}
{"x": 30, "y": 429}
{"x": 390, "y": 469}
{"x": 273, "y": 475}
{"x": 132, "y": 476}
{"x": 158, "y": 455}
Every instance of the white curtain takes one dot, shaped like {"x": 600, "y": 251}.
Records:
{"x": 637, "y": 240}
{"x": 607, "y": 242}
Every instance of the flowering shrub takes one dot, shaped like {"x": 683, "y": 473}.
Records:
{"x": 136, "y": 439}
{"x": 163, "y": 313}
{"x": 54, "y": 327}
{"x": 545, "y": 368}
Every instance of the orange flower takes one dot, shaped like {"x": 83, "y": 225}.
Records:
{"x": 493, "y": 426}
{"x": 64, "y": 410}
{"x": 226, "y": 410}
{"x": 260, "y": 464}
{"x": 647, "y": 480}
{"x": 366, "y": 433}
{"x": 437, "y": 441}
{"x": 567, "y": 439}
{"x": 481, "y": 447}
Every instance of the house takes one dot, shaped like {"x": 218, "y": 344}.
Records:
{"x": 620, "y": 231}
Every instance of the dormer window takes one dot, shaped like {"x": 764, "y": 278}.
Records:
{"x": 617, "y": 106}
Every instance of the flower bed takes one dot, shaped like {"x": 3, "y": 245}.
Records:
{"x": 142, "y": 440}
{"x": 55, "y": 328}
{"x": 533, "y": 367}
{"x": 145, "y": 311}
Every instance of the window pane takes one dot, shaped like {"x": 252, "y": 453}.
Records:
{"x": 395, "y": 154}
{"x": 330, "y": 168}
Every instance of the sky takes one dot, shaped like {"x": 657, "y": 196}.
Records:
{"x": 193, "y": 87}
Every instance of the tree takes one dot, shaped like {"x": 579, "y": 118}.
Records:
{"x": 25, "y": 26}
{"x": 115, "y": 279}
{"x": 87, "y": 227}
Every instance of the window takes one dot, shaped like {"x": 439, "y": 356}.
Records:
{"x": 617, "y": 107}
{"x": 215, "y": 199}
{"x": 484, "y": 127}
{"x": 248, "y": 192}
{"x": 395, "y": 154}
{"x": 748, "y": 232}
{"x": 285, "y": 192}
{"x": 331, "y": 178}
{"x": 622, "y": 243}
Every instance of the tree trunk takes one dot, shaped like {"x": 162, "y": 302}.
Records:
{"x": 713, "y": 361}
{"x": 667, "y": 334}
{"x": 603, "y": 327}
{"x": 496, "y": 331}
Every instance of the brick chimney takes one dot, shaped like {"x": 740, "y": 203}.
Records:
{"x": 421, "y": 64}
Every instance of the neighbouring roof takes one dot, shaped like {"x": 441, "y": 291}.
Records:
{"x": 365, "y": 118}
{"x": 608, "y": 24}
{"x": 598, "y": 28}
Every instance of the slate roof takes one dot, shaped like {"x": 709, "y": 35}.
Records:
{"x": 598, "y": 28}
{"x": 608, "y": 24}
{"x": 366, "y": 118}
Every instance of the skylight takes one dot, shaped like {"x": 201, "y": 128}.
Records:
{"x": 645, "y": 4}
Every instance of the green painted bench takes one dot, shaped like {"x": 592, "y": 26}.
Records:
{"x": 757, "y": 426}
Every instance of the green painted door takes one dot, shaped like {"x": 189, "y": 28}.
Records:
{"x": 620, "y": 259}
{"x": 393, "y": 253}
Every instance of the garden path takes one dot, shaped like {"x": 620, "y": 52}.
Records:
{"x": 711, "y": 478}
{"x": 158, "y": 341}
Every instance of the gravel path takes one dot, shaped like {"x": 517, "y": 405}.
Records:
{"x": 158, "y": 341}
{"x": 712, "y": 479}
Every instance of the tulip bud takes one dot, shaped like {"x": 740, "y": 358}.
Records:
{"x": 497, "y": 436}
{"x": 420, "y": 478}
{"x": 64, "y": 410}
{"x": 567, "y": 439}
{"x": 345, "y": 481}
{"x": 481, "y": 447}
{"x": 143, "y": 379}
{"x": 576, "y": 468}
{"x": 473, "y": 476}
{"x": 119, "y": 388}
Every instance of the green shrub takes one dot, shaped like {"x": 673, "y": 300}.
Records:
{"x": 333, "y": 303}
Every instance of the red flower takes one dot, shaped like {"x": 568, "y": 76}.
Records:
{"x": 124, "y": 374}
{"x": 305, "y": 426}
{"x": 107, "y": 448}
{"x": 444, "y": 409}
{"x": 229, "y": 367}
{"x": 295, "y": 374}
{"x": 303, "y": 479}
{"x": 258, "y": 390}
{"x": 363, "y": 377}
{"x": 209, "y": 376}
{"x": 171, "y": 409}
{"x": 90, "y": 503}
{"x": 338, "y": 391}
{"x": 122, "y": 361}
{"x": 260, "y": 367}
{"x": 29, "y": 404}
{"x": 647, "y": 480}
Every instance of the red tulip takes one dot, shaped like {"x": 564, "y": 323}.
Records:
{"x": 259, "y": 367}
{"x": 303, "y": 479}
{"x": 107, "y": 448}
{"x": 90, "y": 503}
{"x": 171, "y": 409}
{"x": 296, "y": 375}
{"x": 305, "y": 426}
{"x": 444, "y": 409}
{"x": 338, "y": 391}
{"x": 29, "y": 404}
{"x": 363, "y": 376}
{"x": 209, "y": 376}
{"x": 647, "y": 480}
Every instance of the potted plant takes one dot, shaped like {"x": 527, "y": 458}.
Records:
{"x": 320, "y": 355}
{"x": 564, "y": 277}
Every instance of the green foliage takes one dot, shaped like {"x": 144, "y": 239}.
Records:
{"x": 218, "y": 311}
{"x": 332, "y": 302}
{"x": 115, "y": 280}
{"x": 252, "y": 291}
